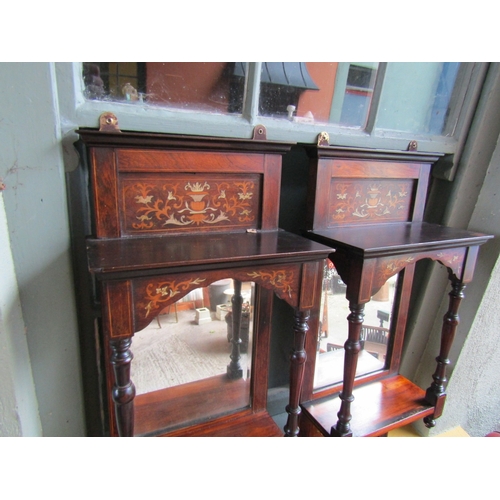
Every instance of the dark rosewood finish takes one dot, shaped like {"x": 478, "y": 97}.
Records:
{"x": 123, "y": 389}
{"x": 143, "y": 288}
{"x": 368, "y": 205}
{"x": 381, "y": 406}
{"x": 297, "y": 361}
{"x": 175, "y": 213}
{"x": 352, "y": 348}
{"x": 234, "y": 369}
{"x": 245, "y": 424}
{"x": 435, "y": 394}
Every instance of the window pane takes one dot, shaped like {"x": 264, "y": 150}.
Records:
{"x": 355, "y": 83}
{"x": 215, "y": 87}
{"x": 412, "y": 98}
{"x": 318, "y": 92}
{"x": 416, "y": 97}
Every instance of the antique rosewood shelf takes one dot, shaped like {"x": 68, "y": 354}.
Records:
{"x": 368, "y": 205}
{"x": 175, "y": 213}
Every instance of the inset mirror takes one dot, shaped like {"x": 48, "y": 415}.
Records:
{"x": 190, "y": 351}
{"x": 333, "y": 330}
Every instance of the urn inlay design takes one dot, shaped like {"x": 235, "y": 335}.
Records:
{"x": 187, "y": 202}
{"x": 370, "y": 199}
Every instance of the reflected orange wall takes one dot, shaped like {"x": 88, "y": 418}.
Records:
{"x": 200, "y": 83}
{"x": 319, "y": 102}
{"x": 186, "y": 82}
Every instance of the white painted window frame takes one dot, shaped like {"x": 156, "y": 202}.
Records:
{"x": 76, "y": 112}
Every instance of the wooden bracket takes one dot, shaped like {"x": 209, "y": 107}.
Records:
{"x": 108, "y": 122}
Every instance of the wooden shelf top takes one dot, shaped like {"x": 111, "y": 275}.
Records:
{"x": 379, "y": 240}
{"x": 137, "y": 255}
{"x": 378, "y": 407}
{"x": 188, "y": 404}
{"x": 246, "y": 424}
{"x": 215, "y": 407}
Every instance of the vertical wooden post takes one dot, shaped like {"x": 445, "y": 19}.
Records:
{"x": 123, "y": 392}
{"x": 234, "y": 369}
{"x": 436, "y": 394}
{"x": 298, "y": 359}
{"x": 352, "y": 348}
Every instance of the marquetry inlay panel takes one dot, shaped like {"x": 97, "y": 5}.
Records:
{"x": 190, "y": 202}
{"x": 152, "y": 295}
{"x": 363, "y": 200}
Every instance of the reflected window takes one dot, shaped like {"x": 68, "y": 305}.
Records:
{"x": 318, "y": 92}
{"x": 200, "y": 86}
{"x": 358, "y": 94}
{"x": 414, "y": 97}
{"x": 115, "y": 81}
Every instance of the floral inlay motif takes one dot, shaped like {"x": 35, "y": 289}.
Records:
{"x": 164, "y": 291}
{"x": 392, "y": 266}
{"x": 191, "y": 203}
{"x": 451, "y": 260}
{"x": 281, "y": 280}
{"x": 368, "y": 199}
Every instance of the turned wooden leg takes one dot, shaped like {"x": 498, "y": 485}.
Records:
{"x": 435, "y": 394}
{"x": 234, "y": 369}
{"x": 352, "y": 348}
{"x": 123, "y": 392}
{"x": 298, "y": 359}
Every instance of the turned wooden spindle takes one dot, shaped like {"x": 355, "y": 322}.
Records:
{"x": 352, "y": 348}
{"x": 123, "y": 392}
{"x": 436, "y": 394}
{"x": 298, "y": 359}
{"x": 234, "y": 369}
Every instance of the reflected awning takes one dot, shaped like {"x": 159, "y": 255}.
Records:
{"x": 290, "y": 74}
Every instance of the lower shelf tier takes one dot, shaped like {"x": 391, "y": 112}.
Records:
{"x": 378, "y": 407}
{"x": 216, "y": 406}
{"x": 246, "y": 424}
